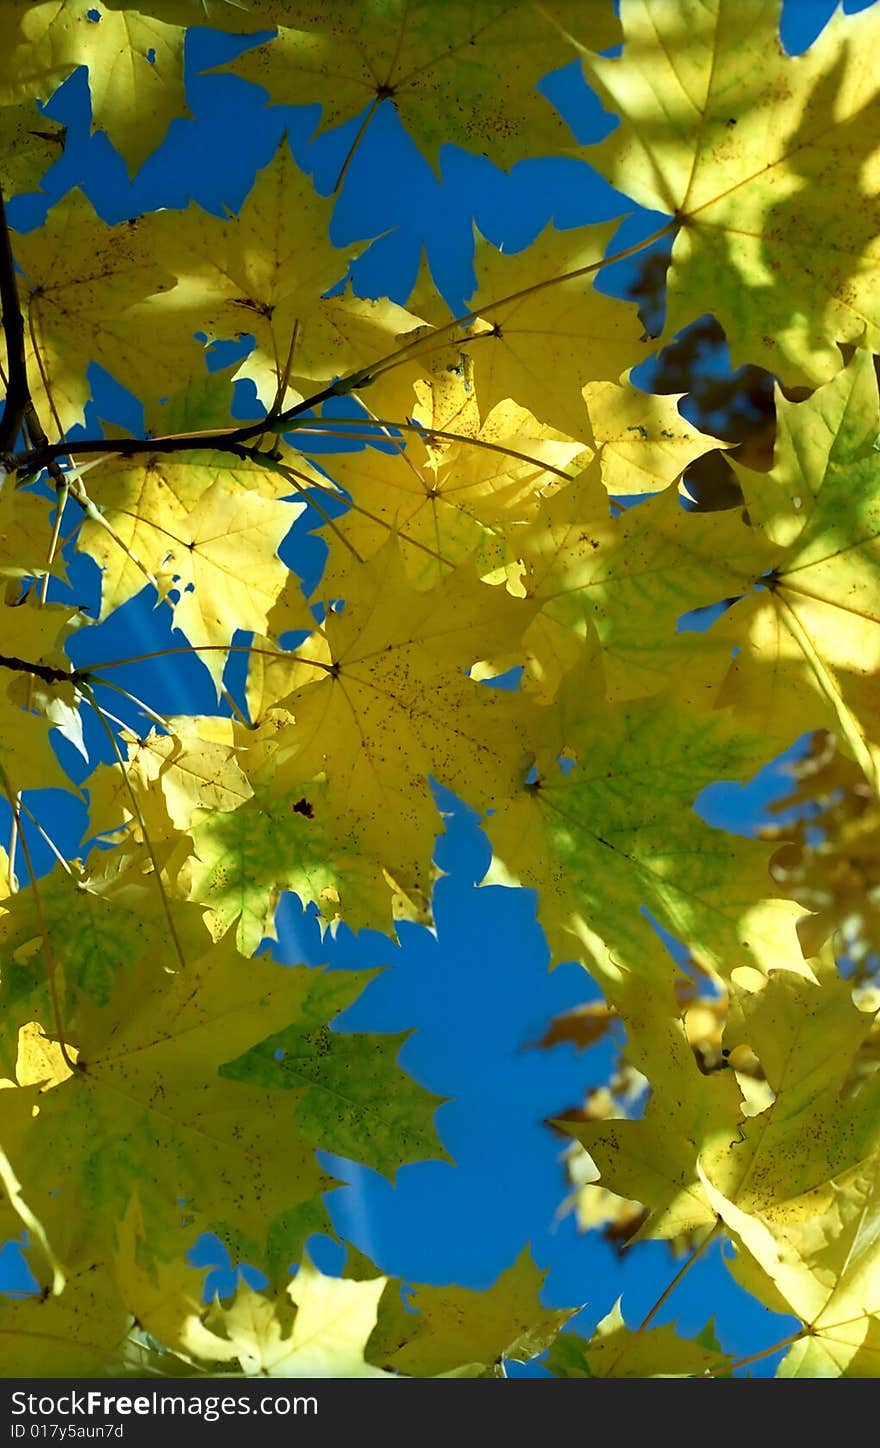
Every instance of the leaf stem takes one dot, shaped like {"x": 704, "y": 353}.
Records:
{"x": 166, "y": 904}
{"x": 682, "y": 1272}
{"x": 202, "y": 649}
{"x": 427, "y": 434}
{"x": 46, "y": 837}
{"x": 756, "y": 1357}
{"x": 133, "y": 699}
{"x": 51, "y": 958}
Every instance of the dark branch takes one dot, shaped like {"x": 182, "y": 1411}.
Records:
{"x": 17, "y": 391}
{"x": 230, "y": 439}
{"x": 44, "y": 671}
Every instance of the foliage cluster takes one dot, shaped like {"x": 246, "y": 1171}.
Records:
{"x": 520, "y": 505}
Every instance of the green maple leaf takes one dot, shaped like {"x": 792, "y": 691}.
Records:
{"x": 147, "y": 1107}
{"x": 601, "y": 852}
{"x": 244, "y": 860}
{"x": 351, "y": 1097}
{"x": 85, "y": 927}
{"x": 635, "y": 576}
{"x": 457, "y": 1331}
{"x": 464, "y": 74}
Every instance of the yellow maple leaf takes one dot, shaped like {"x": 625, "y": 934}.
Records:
{"x": 806, "y": 1034}
{"x": 29, "y": 144}
{"x": 24, "y": 534}
{"x": 333, "y": 1320}
{"x": 449, "y": 499}
{"x": 82, "y": 284}
{"x": 645, "y": 442}
{"x": 543, "y": 345}
{"x": 444, "y": 1329}
{"x": 193, "y": 525}
{"x": 135, "y": 65}
{"x": 824, "y": 1269}
{"x": 747, "y": 148}
{"x": 265, "y": 272}
{"x": 382, "y": 701}
{"x": 809, "y": 638}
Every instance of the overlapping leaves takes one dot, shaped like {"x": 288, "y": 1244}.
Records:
{"x": 490, "y": 618}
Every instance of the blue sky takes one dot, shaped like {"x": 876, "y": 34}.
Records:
{"x": 477, "y": 992}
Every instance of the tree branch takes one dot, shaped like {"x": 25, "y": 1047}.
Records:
{"x": 46, "y": 672}
{"x": 17, "y": 391}
{"x": 228, "y": 439}
{"x": 235, "y": 439}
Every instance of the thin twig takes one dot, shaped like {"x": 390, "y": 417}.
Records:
{"x": 139, "y": 816}
{"x": 50, "y": 957}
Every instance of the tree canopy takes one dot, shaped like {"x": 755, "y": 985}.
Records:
{"x": 513, "y": 553}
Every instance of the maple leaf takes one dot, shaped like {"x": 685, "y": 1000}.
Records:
{"x": 265, "y": 273}
{"x": 196, "y": 764}
{"x": 82, "y": 926}
{"x": 153, "y": 508}
{"x": 382, "y": 701}
{"x": 451, "y": 500}
{"x": 82, "y": 285}
{"x": 32, "y": 636}
{"x": 326, "y": 1338}
{"x": 243, "y": 861}
{"x": 744, "y": 145}
{"x": 635, "y": 576}
{"x": 454, "y": 1330}
{"x": 601, "y": 853}
{"x": 541, "y": 334}
{"x": 616, "y": 1351}
{"x": 79, "y": 1333}
{"x": 240, "y": 16}
{"x": 822, "y": 1269}
{"x": 203, "y": 531}
{"x": 645, "y": 442}
{"x": 351, "y": 1098}
{"x": 432, "y": 65}
{"x": 29, "y": 144}
{"x": 24, "y": 537}
{"x": 809, "y": 639}
{"x": 147, "y": 1088}
{"x": 135, "y": 65}
{"x": 806, "y": 1034}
